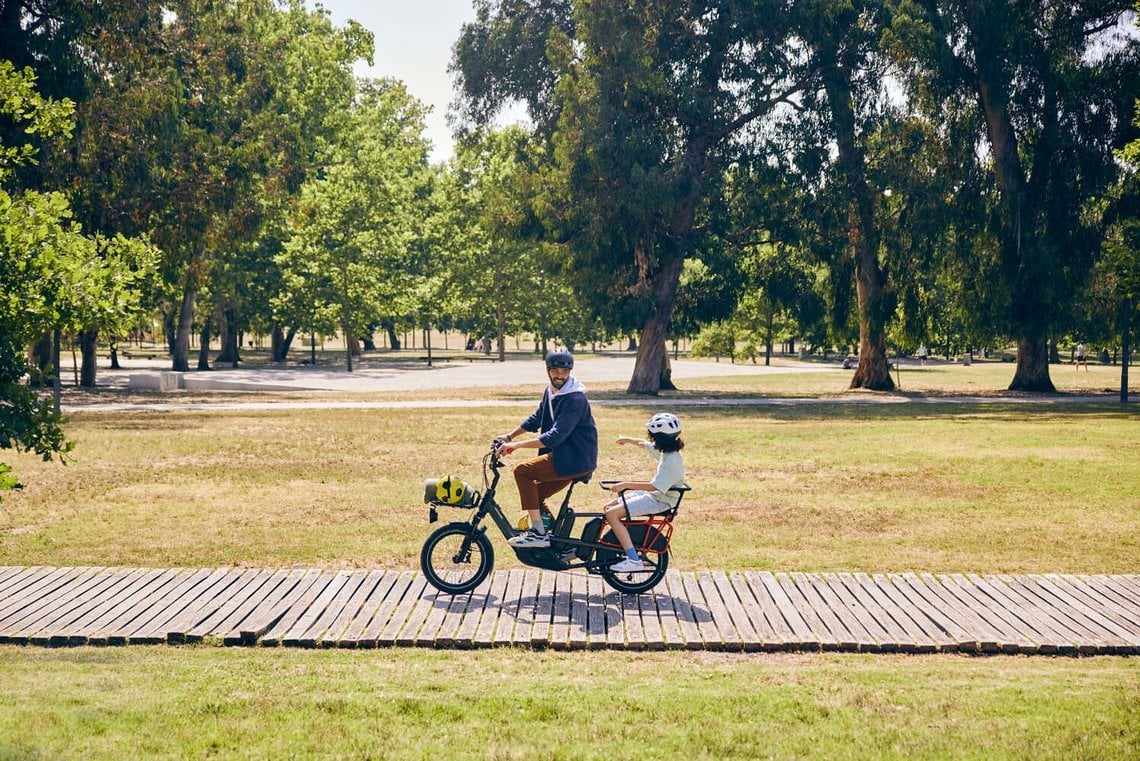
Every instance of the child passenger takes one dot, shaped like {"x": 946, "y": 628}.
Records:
{"x": 648, "y": 497}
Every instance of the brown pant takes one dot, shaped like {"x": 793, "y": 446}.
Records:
{"x": 537, "y": 480}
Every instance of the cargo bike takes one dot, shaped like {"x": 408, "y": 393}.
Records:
{"x": 458, "y": 556}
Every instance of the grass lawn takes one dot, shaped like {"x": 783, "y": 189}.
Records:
{"x": 196, "y": 702}
{"x": 999, "y": 487}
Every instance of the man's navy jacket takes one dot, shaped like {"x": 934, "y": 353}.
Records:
{"x": 570, "y": 432}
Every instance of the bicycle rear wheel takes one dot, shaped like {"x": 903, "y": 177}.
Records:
{"x": 456, "y": 558}
{"x": 636, "y": 582}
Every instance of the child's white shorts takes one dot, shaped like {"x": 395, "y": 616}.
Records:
{"x": 640, "y": 503}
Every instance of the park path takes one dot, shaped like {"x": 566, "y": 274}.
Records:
{"x": 703, "y": 610}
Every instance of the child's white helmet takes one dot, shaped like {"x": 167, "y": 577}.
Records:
{"x": 664, "y": 422}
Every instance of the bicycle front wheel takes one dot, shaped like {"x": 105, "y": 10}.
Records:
{"x": 456, "y": 558}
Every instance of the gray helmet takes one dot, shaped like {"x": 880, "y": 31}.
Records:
{"x": 559, "y": 358}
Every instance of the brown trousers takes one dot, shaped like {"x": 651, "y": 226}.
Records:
{"x": 537, "y": 480}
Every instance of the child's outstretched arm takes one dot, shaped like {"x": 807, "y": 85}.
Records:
{"x": 630, "y": 440}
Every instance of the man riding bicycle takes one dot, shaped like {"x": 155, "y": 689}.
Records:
{"x": 567, "y": 444}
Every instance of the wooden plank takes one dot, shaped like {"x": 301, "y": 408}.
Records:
{"x": 528, "y": 600}
{"x": 206, "y": 601}
{"x": 924, "y": 615}
{"x": 444, "y": 609}
{"x": 140, "y": 609}
{"x": 276, "y": 604}
{"x": 376, "y": 585}
{"x": 1014, "y": 639}
{"x": 845, "y": 639}
{"x": 1026, "y": 621}
{"x": 295, "y": 606}
{"x": 615, "y": 619}
{"x": 943, "y": 614}
{"x": 650, "y": 621}
{"x": 473, "y": 613}
{"x": 987, "y": 638}
{"x": 392, "y": 611}
{"x": 686, "y": 617}
{"x": 181, "y": 597}
{"x": 672, "y": 639}
{"x": 765, "y": 633}
{"x": 543, "y": 610}
{"x": 147, "y": 629}
{"x": 1008, "y": 640}
{"x": 362, "y": 583}
{"x": 596, "y": 610}
{"x": 33, "y": 587}
{"x": 877, "y": 635}
{"x": 483, "y": 635}
{"x": 504, "y": 630}
{"x": 419, "y": 614}
{"x": 803, "y": 638}
{"x": 749, "y": 639}
{"x": 1120, "y": 586}
{"x": 1068, "y": 637}
{"x": 780, "y": 631}
{"x": 909, "y": 637}
{"x": 334, "y": 608}
{"x": 560, "y": 619}
{"x": 12, "y": 576}
{"x": 729, "y": 637}
{"x": 1128, "y": 610}
{"x": 579, "y": 613}
{"x": 20, "y": 624}
{"x": 42, "y": 596}
{"x": 232, "y": 599}
{"x": 1071, "y": 613}
{"x": 827, "y": 639}
{"x": 702, "y": 612}
{"x": 92, "y": 608}
{"x": 861, "y": 638}
{"x": 58, "y": 632}
{"x": 893, "y": 637}
{"x": 241, "y": 609}
{"x": 631, "y": 617}
{"x": 25, "y": 577}
{"x": 1081, "y": 594}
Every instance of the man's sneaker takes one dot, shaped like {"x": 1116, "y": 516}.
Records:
{"x": 529, "y": 539}
{"x": 626, "y": 565}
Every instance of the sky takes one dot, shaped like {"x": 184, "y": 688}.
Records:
{"x": 413, "y": 44}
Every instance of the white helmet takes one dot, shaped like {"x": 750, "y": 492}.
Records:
{"x": 664, "y": 422}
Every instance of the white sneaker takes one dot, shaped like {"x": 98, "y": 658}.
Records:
{"x": 625, "y": 565}
{"x": 529, "y": 539}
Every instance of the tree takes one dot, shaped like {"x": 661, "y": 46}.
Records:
{"x": 348, "y": 263}
{"x": 55, "y": 278}
{"x": 1048, "y": 82}
{"x": 652, "y": 104}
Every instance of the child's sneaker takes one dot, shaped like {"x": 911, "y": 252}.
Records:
{"x": 626, "y": 565}
{"x": 529, "y": 539}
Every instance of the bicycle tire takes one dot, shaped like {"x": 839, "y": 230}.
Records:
{"x": 457, "y": 558}
{"x": 636, "y": 582}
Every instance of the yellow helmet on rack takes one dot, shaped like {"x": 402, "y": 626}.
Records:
{"x": 449, "y": 490}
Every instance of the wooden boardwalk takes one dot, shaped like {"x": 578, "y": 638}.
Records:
{"x": 713, "y": 610}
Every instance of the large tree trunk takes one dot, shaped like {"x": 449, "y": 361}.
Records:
{"x": 1032, "y": 366}
{"x": 204, "y": 346}
{"x": 650, "y": 368}
{"x": 182, "y": 331}
{"x": 870, "y": 280}
{"x": 393, "y": 339}
{"x": 228, "y": 333}
{"x": 280, "y": 342}
{"x": 89, "y": 350}
{"x": 39, "y": 367}
{"x": 1023, "y": 267}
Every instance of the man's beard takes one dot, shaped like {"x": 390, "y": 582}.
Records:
{"x": 558, "y": 382}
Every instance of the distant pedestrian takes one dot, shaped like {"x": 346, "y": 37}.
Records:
{"x": 1081, "y": 359}
{"x": 922, "y": 354}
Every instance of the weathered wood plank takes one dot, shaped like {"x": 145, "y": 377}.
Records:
{"x": 376, "y": 587}
{"x": 702, "y": 612}
{"x": 686, "y": 616}
{"x": 861, "y": 638}
{"x": 802, "y": 636}
{"x": 1064, "y": 636}
{"x": 228, "y": 629}
{"x": 276, "y": 605}
{"x": 390, "y": 614}
{"x": 844, "y": 638}
{"x": 827, "y": 639}
{"x": 472, "y": 615}
{"x": 148, "y": 629}
{"x": 205, "y": 602}
{"x": 484, "y": 635}
{"x": 235, "y": 595}
{"x": 943, "y": 614}
{"x": 560, "y": 616}
{"x": 34, "y": 602}
{"x": 1104, "y": 588}
{"x": 388, "y": 636}
{"x": 596, "y": 611}
{"x": 766, "y": 636}
{"x": 579, "y": 613}
{"x": 114, "y": 631}
{"x": 746, "y": 634}
{"x": 543, "y": 609}
{"x": 445, "y": 616}
{"x": 509, "y": 611}
{"x": 1013, "y": 639}
{"x": 1104, "y": 607}
{"x": 1067, "y": 614}
{"x": 924, "y": 615}
{"x": 334, "y": 608}
{"x": 528, "y": 601}
{"x": 418, "y": 615}
{"x": 296, "y": 605}
{"x": 672, "y": 639}
{"x": 878, "y": 639}
{"x": 35, "y": 587}
{"x": 88, "y": 608}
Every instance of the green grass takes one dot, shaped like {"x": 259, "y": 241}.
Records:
{"x": 890, "y": 487}
{"x": 198, "y": 702}
{"x": 942, "y": 488}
